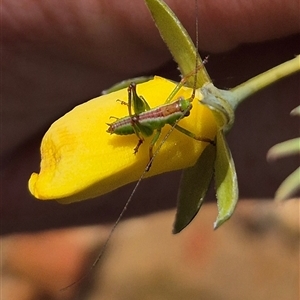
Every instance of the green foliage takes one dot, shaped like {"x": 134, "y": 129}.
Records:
{"x": 194, "y": 184}
{"x": 178, "y": 41}
{"x": 217, "y": 159}
{"x": 291, "y": 147}
{"x": 215, "y": 162}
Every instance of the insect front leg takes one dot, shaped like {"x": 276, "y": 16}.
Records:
{"x": 113, "y": 117}
{"x": 122, "y": 102}
{"x": 136, "y": 148}
{"x": 140, "y": 141}
{"x": 140, "y": 105}
{"x": 141, "y": 131}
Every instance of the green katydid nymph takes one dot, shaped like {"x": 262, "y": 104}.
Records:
{"x": 145, "y": 122}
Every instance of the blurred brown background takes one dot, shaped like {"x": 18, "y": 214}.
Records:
{"x": 46, "y": 246}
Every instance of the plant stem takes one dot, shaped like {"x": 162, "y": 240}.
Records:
{"x": 262, "y": 80}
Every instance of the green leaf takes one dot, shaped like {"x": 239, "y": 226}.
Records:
{"x": 289, "y": 186}
{"x": 286, "y": 148}
{"x": 296, "y": 111}
{"x": 178, "y": 41}
{"x": 225, "y": 181}
{"x": 193, "y": 187}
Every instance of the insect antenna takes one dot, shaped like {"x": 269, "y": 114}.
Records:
{"x": 196, "y": 50}
{"x": 195, "y": 73}
{"x": 155, "y": 153}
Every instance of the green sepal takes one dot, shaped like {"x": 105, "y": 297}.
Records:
{"x": 178, "y": 41}
{"x": 226, "y": 183}
{"x": 221, "y": 103}
{"x": 193, "y": 187}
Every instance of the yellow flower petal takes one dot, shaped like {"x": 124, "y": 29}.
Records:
{"x": 80, "y": 160}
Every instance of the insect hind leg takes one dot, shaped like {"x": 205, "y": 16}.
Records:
{"x": 185, "y": 79}
{"x": 136, "y": 148}
{"x": 152, "y": 144}
{"x": 194, "y": 136}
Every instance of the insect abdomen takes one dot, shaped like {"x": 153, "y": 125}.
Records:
{"x": 155, "y": 118}
{"x": 122, "y": 126}
{"x": 165, "y": 114}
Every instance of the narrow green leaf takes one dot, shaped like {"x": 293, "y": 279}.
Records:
{"x": 225, "y": 181}
{"x": 193, "y": 187}
{"x": 286, "y": 148}
{"x": 289, "y": 186}
{"x": 178, "y": 41}
{"x": 296, "y": 111}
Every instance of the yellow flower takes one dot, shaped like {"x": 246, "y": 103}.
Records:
{"x": 80, "y": 160}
